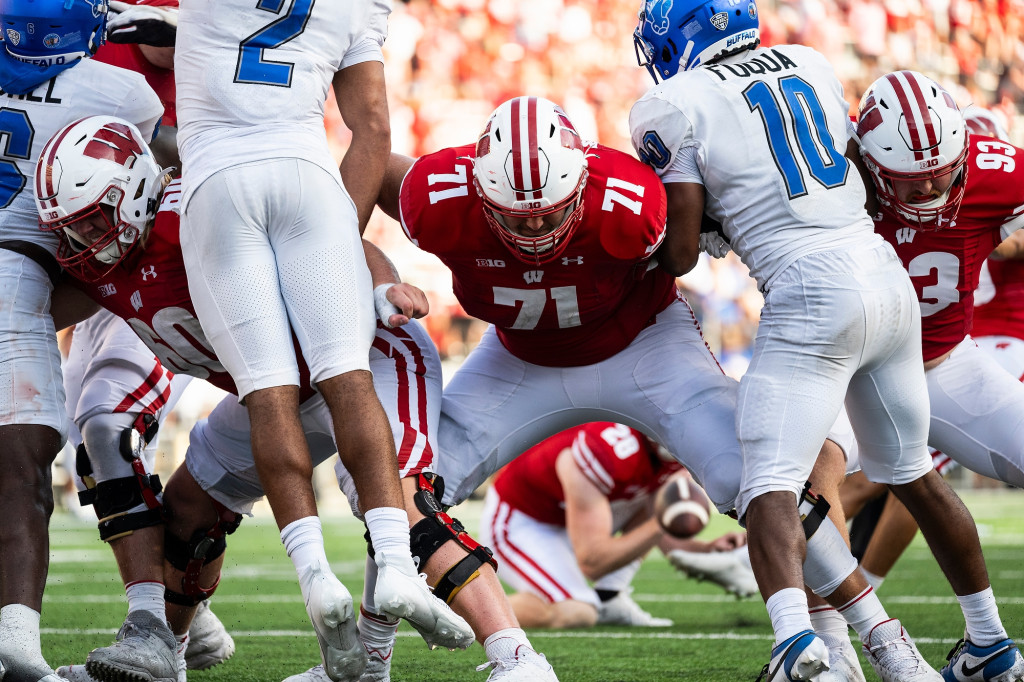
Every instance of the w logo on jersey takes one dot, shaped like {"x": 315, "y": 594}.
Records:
{"x": 905, "y": 235}
{"x": 114, "y": 142}
{"x": 533, "y": 276}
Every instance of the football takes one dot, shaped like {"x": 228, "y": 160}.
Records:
{"x": 681, "y": 507}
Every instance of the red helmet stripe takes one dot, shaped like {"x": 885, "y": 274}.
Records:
{"x": 49, "y": 154}
{"x": 926, "y": 114}
{"x": 901, "y": 95}
{"x": 531, "y": 112}
{"x": 517, "y": 149}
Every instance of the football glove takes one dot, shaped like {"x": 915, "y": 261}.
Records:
{"x": 143, "y": 24}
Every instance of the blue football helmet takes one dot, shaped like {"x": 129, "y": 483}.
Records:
{"x": 53, "y": 32}
{"x": 674, "y": 34}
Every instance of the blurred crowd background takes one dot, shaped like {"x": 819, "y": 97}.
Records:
{"x": 450, "y": 62}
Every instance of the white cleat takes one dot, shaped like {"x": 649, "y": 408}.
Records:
{"x": 844, "y": 666}
{"x": 74, "y": 673}
{"x": 526, "y": 666}
{"x": 894, "y": 657}
{"x": 403, "y": 596}
{"x": 314, "y": 674}
{"x": 209, "y": 642}
{"x": 19, "y": 664}
{"x": 726, "y": 569}
{"x": 145, "y": 651}
{"x": 622, "y": 610}
{"x": 329, "y": 606}
{"x": 378, "y": 664}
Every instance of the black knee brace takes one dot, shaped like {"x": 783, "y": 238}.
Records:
{"x": 190, "y": 556}
{"x": 429, "y": 534}
{"x": 813, "y": 510}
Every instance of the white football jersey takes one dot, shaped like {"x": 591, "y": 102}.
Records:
{"x": 765, "y": 132}
{"x": 252, "y": 77}
{"x": 28, "y": 121}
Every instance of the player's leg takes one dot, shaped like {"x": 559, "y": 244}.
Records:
{"x": 33, "y": 429}
{"x": 537, "y": 561}
{"x": 1007, "y": 351}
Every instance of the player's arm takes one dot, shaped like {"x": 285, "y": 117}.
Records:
{"x": 854, "y": 157}
{"x": 1012, "y": 248}
{"x": 363, "y": 103}
{"x": 395, "y": 301}
{"x": 68, "y": 306}
{"x": 588, "y": 521}
{"x": 391, "y": 188}
{"x": 678, "y": 253}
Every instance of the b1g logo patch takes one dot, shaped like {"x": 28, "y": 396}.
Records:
{"x": 720, "y": 20}
{"x": 13, "y": 37}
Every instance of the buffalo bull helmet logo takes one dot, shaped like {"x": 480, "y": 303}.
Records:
{"x": 656, "y": 13}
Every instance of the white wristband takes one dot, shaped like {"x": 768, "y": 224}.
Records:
{"x": 385, "y": 308}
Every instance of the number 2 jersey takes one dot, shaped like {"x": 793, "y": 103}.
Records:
{"x": 764, "y": 132}
{"x": 582, "y": 307}
{"x": 149, "y": 290}
{"x": 621, "y": 462}
{"x": 945, "y": 265}
{"x": 252, "y": 77}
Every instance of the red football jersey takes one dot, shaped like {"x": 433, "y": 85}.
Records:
{"x": 1001, "y": 311}
{"x": 149, "y": 290}
{"x": 129, "y": 56}
{"x": 620, "y": 461}
{"x": 580, "y": 308}
{"x": 945, "y": 264}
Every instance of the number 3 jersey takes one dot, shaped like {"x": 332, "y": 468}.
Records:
{"x": 945, "y": 265}
{"x": 252, "y": 77}
{"x": 764, "y": 132}
{"x": 149, "y": 290}
{"x": 578, "y": 309}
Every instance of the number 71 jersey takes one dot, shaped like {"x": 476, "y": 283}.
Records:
{"x": 578, "y": 309}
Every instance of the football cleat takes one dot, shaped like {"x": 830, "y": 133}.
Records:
{"x": 329, "y": 606}
{"x": 801, "y": 657}
{"x": 209, "y": 642}
{"x": 16, "y": 665}
{"x": 403, "y": 596}
{"x": 844, "y": 666}
{"x": 894, "y": 657}
{"x": 145, "y": 651}
{"x": 314, "y": 674}
{"x": 999, "y": 662}
{"x": 726, "y": 569}
{"x": 74, "y": 673}
{"x": 622, "y": 610}
{"x": 526, "y": 666}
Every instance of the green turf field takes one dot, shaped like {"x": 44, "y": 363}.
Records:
{"x": 716, "y": 638}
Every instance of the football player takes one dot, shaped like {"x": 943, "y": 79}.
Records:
{"x": 577, "y": 509}
{"x": 948, "y": 199}
{"x": 147, "y": 286}
{"x": 48, "y": 81}
{"x": 839, "y": 321}
{"x": 251, "y": 82}
{"x": 551, "y": 241}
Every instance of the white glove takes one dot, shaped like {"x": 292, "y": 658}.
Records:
{"x": 144, "y": 24}
{"x": 385, "y": 308}
{"x": 713, "y": 244}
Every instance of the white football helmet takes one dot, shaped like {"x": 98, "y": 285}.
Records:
{"x": 96, "y": 163}
{"x": 910, "y": 129}
{"x": 530, "y": 162}
{"x": 981, "y": 121}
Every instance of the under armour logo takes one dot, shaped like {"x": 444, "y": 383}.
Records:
{"x": 578, "y": 260}
{"x": 147, "y": 272}
{"x": 136, "y": 300}
{"x": 533, "y": 276}
{"x": 1003, "y": 345}
{"x": 905, "y": 235}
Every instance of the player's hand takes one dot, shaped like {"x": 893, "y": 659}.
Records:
{"x": 728, "y": 542}
{"x": 144, "y": 24}
{"x": 396, "y": 304}
{"x": 714, "y": 244}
